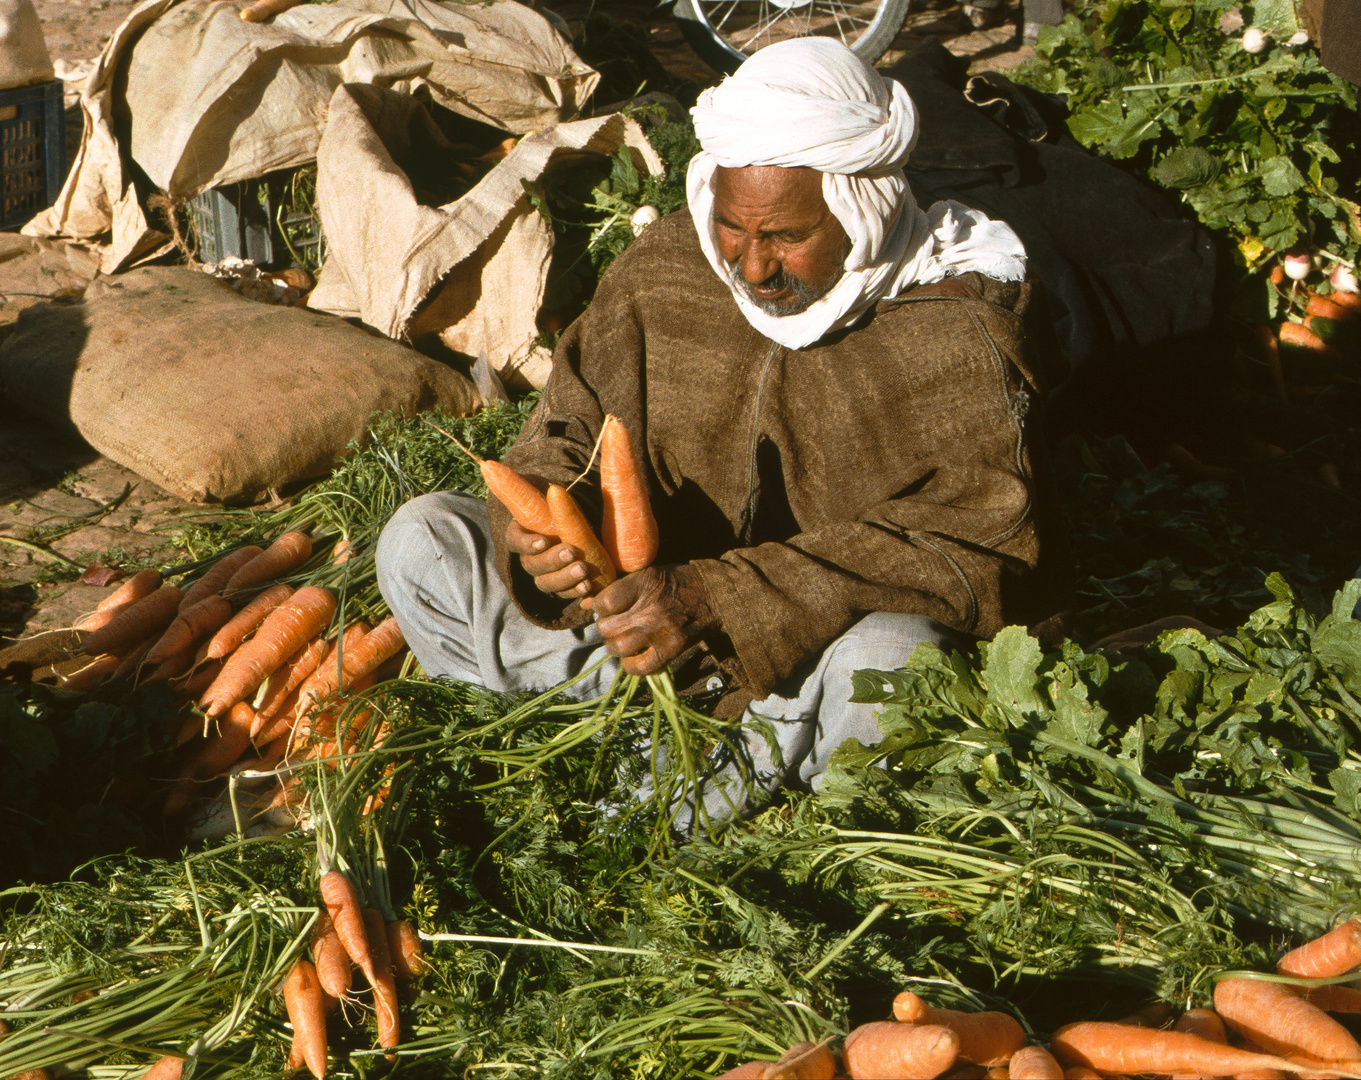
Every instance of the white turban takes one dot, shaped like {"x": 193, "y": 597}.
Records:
{"x": 812, "y": 102}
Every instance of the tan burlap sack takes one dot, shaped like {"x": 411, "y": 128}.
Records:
{"x": 214, "y": 100}
{"x": 472, "y": 271}
{"x": 24, "y": 59}
{"x": 213, "y": 397}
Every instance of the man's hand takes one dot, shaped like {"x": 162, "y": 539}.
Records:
{"x": 651, "y": 617}
{"x": 557, "y": 569}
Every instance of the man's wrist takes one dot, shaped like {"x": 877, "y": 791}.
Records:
{"x": 698, "y": 601}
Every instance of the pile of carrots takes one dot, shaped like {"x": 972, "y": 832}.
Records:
{"x": 248, "y": 657}
{"x": 1258, "y": 1029}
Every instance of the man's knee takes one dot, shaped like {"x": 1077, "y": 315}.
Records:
{"x": 425, "y": 530}
{"x": 886, "y": 640}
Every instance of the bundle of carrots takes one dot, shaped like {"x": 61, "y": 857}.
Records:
{"x": 251, "y": 660}
{"x": 387, "y": 952}
{"x": 628, "y": 539}
{"x": 1259, "y": 1027}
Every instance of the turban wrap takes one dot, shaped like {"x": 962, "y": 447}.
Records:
{"x": 812, "y": 102}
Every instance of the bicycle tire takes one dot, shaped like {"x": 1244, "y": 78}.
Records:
{"x": 715, "y": 49}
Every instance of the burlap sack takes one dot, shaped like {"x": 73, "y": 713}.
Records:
{"x": 24, "y": 59}
{"x": 471, "y": 271}
{"x": 213, "y": 397}
{"x": 214, "y": 100}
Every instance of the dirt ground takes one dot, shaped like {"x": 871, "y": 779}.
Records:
{"x": 67, "y": 509}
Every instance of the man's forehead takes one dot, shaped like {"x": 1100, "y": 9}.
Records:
{"x": 769, "y": 190}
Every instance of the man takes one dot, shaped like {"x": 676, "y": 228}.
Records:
{"x": 838, "y": 456}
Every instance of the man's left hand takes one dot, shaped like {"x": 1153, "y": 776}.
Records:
{"x": 651, "y": 617}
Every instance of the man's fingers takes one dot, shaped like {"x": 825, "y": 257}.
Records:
{"x": 553, "y": 561}
{"x": 615, "y": 601}
{"x": 564, "y": 582}
{"x": 629, "y": 643}
{"x": 645, "y": 663}
{"x": 523, "y": 542}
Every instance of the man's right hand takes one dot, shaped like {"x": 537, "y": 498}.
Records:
{"x": 557, "y": 569}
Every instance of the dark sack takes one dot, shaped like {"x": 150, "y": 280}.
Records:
{"x": 172, "y": 374}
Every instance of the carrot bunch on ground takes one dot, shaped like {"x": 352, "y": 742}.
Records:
{"x": 247, "y": 658}
{"x": 1259, "y": 1027}
{"x": 386, "y": 951}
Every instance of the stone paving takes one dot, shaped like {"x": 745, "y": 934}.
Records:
{"x": 65, "y": 508}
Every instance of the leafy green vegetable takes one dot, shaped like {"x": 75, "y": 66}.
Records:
{"x": 1247, "y": 140}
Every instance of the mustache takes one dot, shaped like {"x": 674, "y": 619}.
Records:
{"x": 805, "y": 293}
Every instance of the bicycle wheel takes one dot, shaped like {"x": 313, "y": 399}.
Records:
{"x": 726, "y": 32}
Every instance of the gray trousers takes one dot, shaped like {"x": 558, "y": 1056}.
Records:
{"x": 436, "y": 570}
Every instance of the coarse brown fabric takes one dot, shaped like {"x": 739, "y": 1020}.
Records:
{"x": 887, "y": 468}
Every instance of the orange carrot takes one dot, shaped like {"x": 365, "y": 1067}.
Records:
{"x": 340, "y": 554}
{"x": 342, "y": 904}
{"x": 304, "y": 615}
{"x": 1343, "y": 999}
{"x": 404, "y": 947}
{"x": 888, "y": 1050}
{"x": 307, "y": 1014}
{"x": 280, "y": 725}
{"x": 803, "y": 1061}
{"x": 168, "y": 1067}
{"x": 1327, "y": 307}
{"x": 334, "y": 970}
{"x": 287, "y": 553}
{"x": 190, "y": 625}
{"x": 1203, "y": 1022}
{"x": 525, "y": 502}
{"x": 1270, "y": 1016}
{"x": 149, "y": 615}
{"x": 295, "y": 1059}
{"x": 1335, "y": 953}
{"x": 751, "y": 1070}
{"x": 201, "y": 679}
{"x": 171, "y": 668}
{"x": 132, "y": 660}
{"x": 1349, "y": 301}
{"x": 239, "y": 626}
{"x": 571, "y": 527}
{"x": 384, "y": 984}
{"x": 290, "y": 677}
{"x": 1121, "y": 1048}
{"x": 1034, "y": 1063}
{"x": 985, "y": 1038}
{"x": 627, "y": 529}
{"x": 330, "y": 673}
{"x": 361, "y": 652}
{"x": 218, "y": 574}
{"x": 217, "y": 755}
{"x": 1081, "y": 1072}
{"x": 91, "y": 675}
{"x": 1296, "y": 336}
{"x": 143, "y": 583}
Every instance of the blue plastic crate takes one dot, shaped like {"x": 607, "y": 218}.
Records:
{"x": 32, "y": 150}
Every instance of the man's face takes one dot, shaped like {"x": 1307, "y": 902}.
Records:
{"x": 774, "y": 230}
